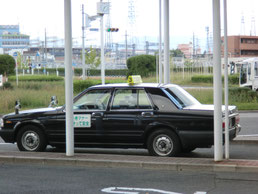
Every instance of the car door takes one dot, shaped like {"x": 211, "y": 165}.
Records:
{"x": 89, "y": 109}
{"x": 127, "y": 117}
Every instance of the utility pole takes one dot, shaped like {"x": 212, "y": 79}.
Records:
{"x": 160, "y": 44}
{"x": 226, "y": 81}
{"x": 166, "y": 42}
{"x": 45, "y": 51}
{"x": 126, "y": 47}
{"x": 147, "y": 47}
{"x": 102, "y": 46}
{"x": 83, "y": 48}
{"x": 194, "y": 51}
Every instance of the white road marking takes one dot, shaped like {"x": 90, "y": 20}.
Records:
{"x": 129, "y": 190}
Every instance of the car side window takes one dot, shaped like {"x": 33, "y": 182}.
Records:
{"x": 161, "y": 100}
{"x": 144, "y": 102}
{"x": 124, "y": 99}
{"x": 130, "y": 99}
{"x": 93, "y": 100}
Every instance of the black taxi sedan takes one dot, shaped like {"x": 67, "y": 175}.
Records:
{"x": 162, "y": 118}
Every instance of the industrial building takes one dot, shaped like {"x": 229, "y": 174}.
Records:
{"x": 11, "y": 38}
{"x": 241, "y": 46}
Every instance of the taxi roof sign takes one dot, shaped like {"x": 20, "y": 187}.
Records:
{"x": 134, "y": 79}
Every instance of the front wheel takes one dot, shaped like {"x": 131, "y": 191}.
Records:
{"x": 31, "y": 138}
{"x": 164, "y": 143}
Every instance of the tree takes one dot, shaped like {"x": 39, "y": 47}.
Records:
{"x": 142, "y": 65}
{"x": 176, "y": 53}
{"x": 92, "y": 58}
{"x": 7, "y": 65}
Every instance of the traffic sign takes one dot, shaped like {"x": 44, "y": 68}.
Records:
{"x": 94, "y": 29}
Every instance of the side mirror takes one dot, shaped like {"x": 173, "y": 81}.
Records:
{"x": 17, "y": 106}
{"x": 53, "y": 102}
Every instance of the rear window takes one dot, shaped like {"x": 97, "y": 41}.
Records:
{"x": 161, "y": 100}
{"x": 181, "y": 97}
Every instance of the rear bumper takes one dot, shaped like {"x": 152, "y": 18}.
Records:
{"x": 201, "y": 139}
{"x": 233, "y": 132}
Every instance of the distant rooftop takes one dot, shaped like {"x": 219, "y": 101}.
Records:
{"x": 9, "y": 26}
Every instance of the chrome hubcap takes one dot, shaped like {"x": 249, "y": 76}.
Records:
{"x": 30, "y": 140}
{"x": 163, "y": 145}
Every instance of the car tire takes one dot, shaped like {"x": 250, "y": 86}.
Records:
{"x": 163, "y": 142}
{"x": 31, "y": 138}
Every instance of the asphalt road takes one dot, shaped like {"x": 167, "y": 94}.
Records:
{"x": 249, "y": 123}
{"x": 247, "y": 120}
{"x": 32, "y": 179}
{"x": 237, "y": 151}
{"x": 20, "y": 178}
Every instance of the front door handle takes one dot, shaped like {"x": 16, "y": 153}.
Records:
{"x": 97, "y": 114}
{"x": 147, "y": 114}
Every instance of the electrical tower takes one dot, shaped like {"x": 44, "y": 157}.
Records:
{"x": 208, "y": 50}
{"x": 131, "y": 21}
{"x": 242, "y": 30}
{"x": 253, "y": 29}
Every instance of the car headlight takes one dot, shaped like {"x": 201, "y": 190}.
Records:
{"x": 1, "y": 123}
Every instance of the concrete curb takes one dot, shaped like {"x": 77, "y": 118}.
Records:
{"x": 172, "y": 164}
{"x": 246, "y": 139}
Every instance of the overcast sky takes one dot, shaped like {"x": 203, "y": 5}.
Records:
{"x": 186, "y": 17}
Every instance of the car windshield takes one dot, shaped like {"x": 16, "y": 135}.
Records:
{"x": 181, "y": 97}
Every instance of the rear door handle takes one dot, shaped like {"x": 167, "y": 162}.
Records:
{"x": 147, "y": 114}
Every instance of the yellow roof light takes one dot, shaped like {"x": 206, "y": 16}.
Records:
{"x": 134, "y": 79}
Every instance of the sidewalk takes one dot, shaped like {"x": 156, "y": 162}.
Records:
{"x": 130, "y": 161}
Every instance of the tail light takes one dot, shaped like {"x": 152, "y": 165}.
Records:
{"x": 237, "y": 119}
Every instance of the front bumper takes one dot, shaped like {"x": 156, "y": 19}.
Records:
{"x": 7, "y": 135}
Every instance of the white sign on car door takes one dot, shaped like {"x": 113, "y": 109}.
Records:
{"x": 82, "y": 120}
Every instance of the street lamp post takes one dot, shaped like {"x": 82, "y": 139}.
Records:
{"x": 217, "y": 83}
{"x": 68, "y": 79}
{"x": 83, "y": 48}
{"x": 226, "y": 81}
{"x": 160, "y": 44}
{"x": 166, "y": 42}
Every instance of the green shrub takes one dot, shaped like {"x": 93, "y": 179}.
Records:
{"x": 242, "y": 94}
{"x": 31, "y": 85}
{"x": 78, "y": 72}
{"x": 7, "y": 85}
{"x": 36, "y": 78}
{"x": 7, "y": 64}
{"x": 202, "y": 79}
{"x": 232, "y": 79}
{"x": 143, "y": 65}
{"x": 80, "y": 85}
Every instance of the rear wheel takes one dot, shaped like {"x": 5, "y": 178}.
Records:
{"x": 31, "y": 138}
{"x": 163, "y": 142}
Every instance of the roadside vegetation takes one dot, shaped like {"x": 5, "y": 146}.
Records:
{"x": 37, "y": 93}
